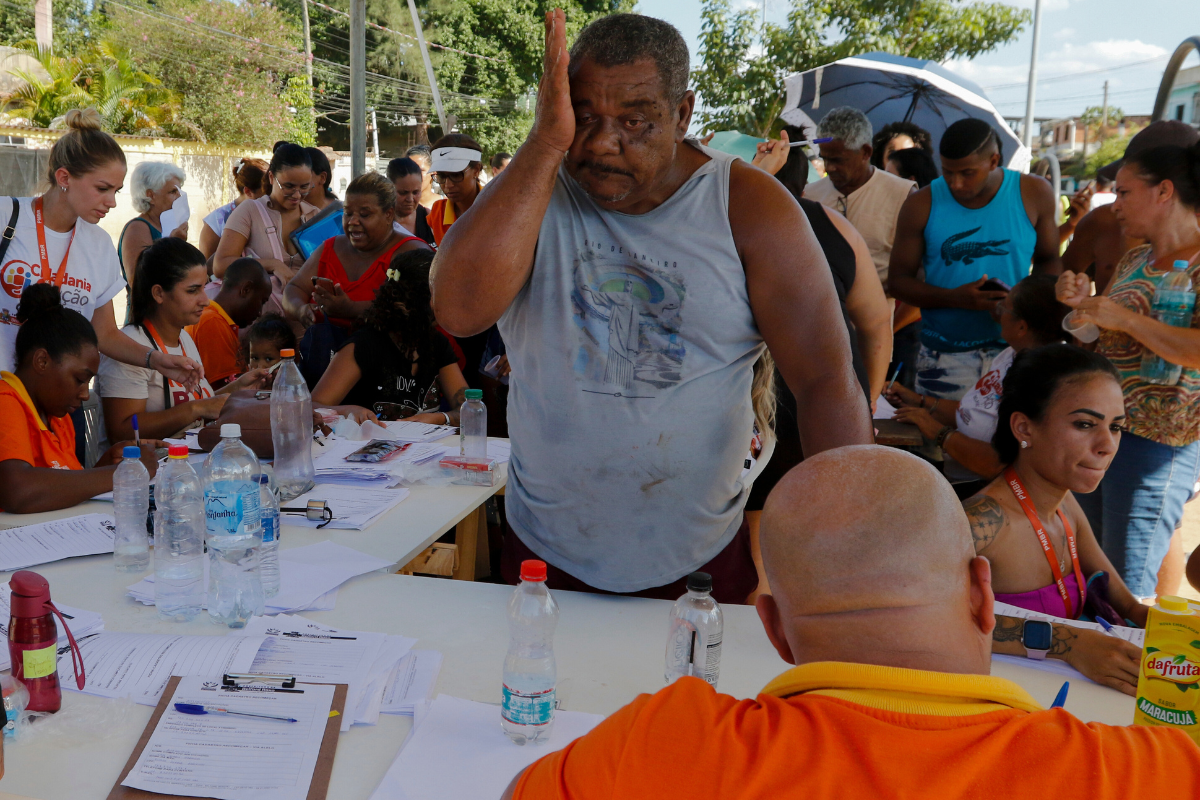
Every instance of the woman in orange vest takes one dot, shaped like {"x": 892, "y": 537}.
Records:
{"x": 57, "y": 355}
{"x": 457, "y": 163}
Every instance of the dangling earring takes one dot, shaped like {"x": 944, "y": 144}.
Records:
{"x": 1024, "y": 445}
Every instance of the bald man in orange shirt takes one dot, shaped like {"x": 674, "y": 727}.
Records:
{"x": 889, "y": 624}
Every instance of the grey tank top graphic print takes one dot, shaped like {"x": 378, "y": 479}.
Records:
{"x": 632, "y": 349}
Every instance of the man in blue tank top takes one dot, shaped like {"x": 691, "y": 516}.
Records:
{"x": 976, "y": 231}
{"x": 635, "y": 277}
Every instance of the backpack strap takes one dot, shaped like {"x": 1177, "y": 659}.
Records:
{"x": 272, "y": 233}
{"x": 11, "y": 229}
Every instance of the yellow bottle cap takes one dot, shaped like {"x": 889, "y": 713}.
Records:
{"x": 1172, "y": 603}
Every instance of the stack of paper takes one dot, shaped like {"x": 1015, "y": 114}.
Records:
{"x": 82, "y": 623}
{"x": 30, "y": 545}
{"x": 138, "y": 665}
{"x": 308, "y": 577}
{"x": 332, "y": 467}
{"x": 1135, "y": 636}
{"x": 353, "y": 507}
{"x": 458, "y": 751}
{"x": 405, "y": 431}
{"x": 293, "y": 645}
{"x": 411, "y": 682}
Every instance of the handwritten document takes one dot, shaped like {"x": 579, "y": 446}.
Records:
{"x": 30, "y": 545}
{"x": 138, "y": 665}
{"x": 232, "y": 757}
{"x": 411, "y": 681}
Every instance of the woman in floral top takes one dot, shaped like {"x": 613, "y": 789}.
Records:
{"x": 1140, "y": 501}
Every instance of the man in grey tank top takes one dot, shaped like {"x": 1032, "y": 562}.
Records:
{"x": 635, "y": 277}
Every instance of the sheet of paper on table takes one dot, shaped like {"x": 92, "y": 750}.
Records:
{"x": 233, "y": 757}
{"x": 1135, "y": 636}
{"x": 405, "y": 431}
{"x": 332, "y": 467}
{"x": 458, "y": 752}
{"x": 82, "y": 623}
{"x": 308, "y": 576}
{"x": 411, "y": 682}
{"x": 884, "y": 409}
{"x": 30, "y": 545}
{"x": 138, "y": 665}
{"x": 353, "y": 507}
{"x": 293, "y": 645}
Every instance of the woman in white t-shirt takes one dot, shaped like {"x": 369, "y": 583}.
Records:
{"x": 1030, "y": 316}
{"x": 57, "y": 240}
{"x": 168, "y": 295}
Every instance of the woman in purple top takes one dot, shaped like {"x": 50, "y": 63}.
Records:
{"x": 1058, "y": 429}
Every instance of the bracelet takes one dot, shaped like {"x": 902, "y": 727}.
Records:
{"x": 447, "y": 416}
{"x": 149, "y": 353}
{"x": 923, "y": 399}
{"x": 933, "y": 408}
{"x": 943, "y": 435}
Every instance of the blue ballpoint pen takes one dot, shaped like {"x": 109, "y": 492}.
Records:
{"x": 137, "y": 439}
{"x": 1060, "y": 699}
{"x": 193, "y": 708}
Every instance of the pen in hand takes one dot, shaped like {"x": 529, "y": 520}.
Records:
{"x": 137, "y": 439}
{"x": 895, "y": 375}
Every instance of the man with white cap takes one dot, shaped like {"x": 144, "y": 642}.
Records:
{"x": 636, "y": 277}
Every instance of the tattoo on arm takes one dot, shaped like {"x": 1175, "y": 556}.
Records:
{"x": 1008, "y": 629}
{"x": 459, "y": 398}
{"x": 1064, "y": 641}
{"x": 987, "y": 520}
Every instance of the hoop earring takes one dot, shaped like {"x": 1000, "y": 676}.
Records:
{"x": 1024, "y": 445}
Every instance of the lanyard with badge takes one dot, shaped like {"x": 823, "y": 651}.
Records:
{"x": 44, "y": 253}
{"x": 199, "y": 394}
{"x": 1018, "y": 490}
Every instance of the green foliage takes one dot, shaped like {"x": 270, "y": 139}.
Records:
{"x": 103, "y": 76}
{"x": 76, "y": 25}
{"x": 236, "y": 91}
{"x": 1095, "y": 114}
{"x": 302, "y": 127}
{"x": 742, "y": 62}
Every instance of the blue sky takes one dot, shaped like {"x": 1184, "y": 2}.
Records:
{"x": 1077, "y": 36}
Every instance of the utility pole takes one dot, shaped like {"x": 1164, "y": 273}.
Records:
{"x": 1031, "y": 94}
{"x": 1104, "y": 113}
{"x": 308, "y": 61}
{"x": 358, "y": 87}
{"x": 375, "y": 137}
{"x": 437, "y": 97}
{"x": 43, "y": 24}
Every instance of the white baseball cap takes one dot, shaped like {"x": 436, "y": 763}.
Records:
{"x": 453, "y": 159}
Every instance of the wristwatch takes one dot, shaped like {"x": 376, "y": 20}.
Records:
{"x": 1037, "y": 638}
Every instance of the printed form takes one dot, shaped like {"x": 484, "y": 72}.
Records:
{"x": 234, "y": 757}
{"x": 30, "y": 545}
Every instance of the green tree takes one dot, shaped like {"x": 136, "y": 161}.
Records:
{"x": 743, "y": 61}
{"x": 235, "y": 88}
{"x": 77, "y": 24}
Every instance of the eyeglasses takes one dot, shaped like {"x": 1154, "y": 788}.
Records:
{"x": 289, "y": 189}
{"x": 443, "y": 178}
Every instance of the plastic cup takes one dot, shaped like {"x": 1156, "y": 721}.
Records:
{"x": 1080, "y": 328}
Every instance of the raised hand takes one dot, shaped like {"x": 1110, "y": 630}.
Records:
{"x": 1072, "y": 289}
{"x": 773, "y": 153}
{"x": 554, "y": 118}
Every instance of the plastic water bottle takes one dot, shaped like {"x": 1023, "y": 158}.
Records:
{"x": 268, "y": 556}
{"x": 695, "y": 632}
{"x": 472, "y": 426}
{"x": 231, "y": 514}
{"x": 530, "y": 673}
{"x": 179, "y": 539}
{"x": 1173, "y": 304}
{"x": 291, "y": 429}
{"x": 131, "y": 503}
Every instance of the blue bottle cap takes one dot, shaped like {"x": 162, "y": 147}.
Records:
{"x": 1180, "y": 264}
{"x": 131, "y": 452}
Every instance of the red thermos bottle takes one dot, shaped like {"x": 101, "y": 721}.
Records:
{"x": 33, "y": 642}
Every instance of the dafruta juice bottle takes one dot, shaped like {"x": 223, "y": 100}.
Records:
{"x": 1168, "y": 691}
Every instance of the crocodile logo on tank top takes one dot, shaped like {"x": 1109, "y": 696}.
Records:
{"x": 954, "y": 249}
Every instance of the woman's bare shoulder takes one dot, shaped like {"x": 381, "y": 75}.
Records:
{"x": 987, "y": 516}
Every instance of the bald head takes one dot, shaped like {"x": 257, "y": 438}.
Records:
{"x": 868, "y": 545}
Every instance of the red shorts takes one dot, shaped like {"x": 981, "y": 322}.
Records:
{"x": 733, "y": 572}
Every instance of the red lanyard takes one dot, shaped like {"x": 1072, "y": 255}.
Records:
{"x": 1018, "y": 490}
{"x": 43, "y": 253}
{"x": 200, "y": 392}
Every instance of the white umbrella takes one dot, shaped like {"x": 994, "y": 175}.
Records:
{"x": 890, "y": 88}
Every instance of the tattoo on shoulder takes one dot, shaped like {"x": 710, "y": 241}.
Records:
{"x": 987, "y": 520}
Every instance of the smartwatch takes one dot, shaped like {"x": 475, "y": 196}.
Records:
{"x": 1037, "y": 638}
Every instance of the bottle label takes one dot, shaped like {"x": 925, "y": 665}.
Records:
{"x": 528, "y": 709}
{"x": 230, "y": 513}
{"x": 39, "y": 663}
{"x": 712, "y": 659}
{"x": 270, "y": 527}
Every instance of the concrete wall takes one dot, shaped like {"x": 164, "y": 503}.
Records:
{"x": 209, "y": 170}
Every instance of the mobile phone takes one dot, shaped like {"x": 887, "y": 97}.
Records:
{"x": 995, "y": 285}
{"x": 378, "y": 450}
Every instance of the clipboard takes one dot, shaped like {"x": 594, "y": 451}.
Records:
{"x": 317, "y": 789}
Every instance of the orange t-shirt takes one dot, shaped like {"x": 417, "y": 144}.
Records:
{"x": 440, "y": 218}
{"x": 216, "y": 338}
{"x": 23, "y": 435}
{"x": 835, "y": 730}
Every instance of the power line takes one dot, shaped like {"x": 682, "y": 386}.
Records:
{"x": 1066, "y": 76}
{"x": 1092, "y": 95}
{"x": 333, "y": 10}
